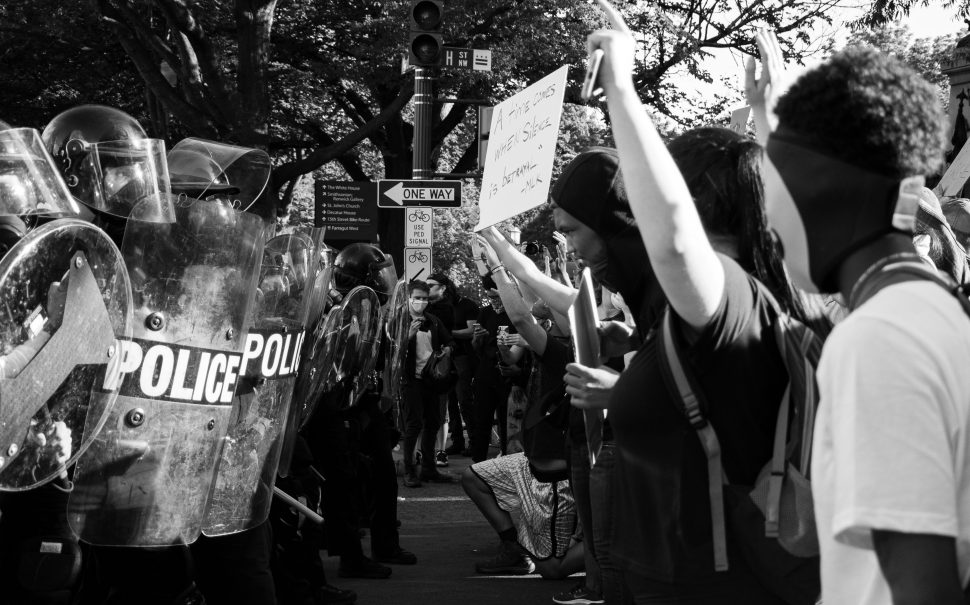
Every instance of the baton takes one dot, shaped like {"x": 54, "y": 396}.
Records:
{"x": 299, "y": 506}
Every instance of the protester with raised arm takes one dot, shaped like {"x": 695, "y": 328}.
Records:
{"x": 699, "y": 209}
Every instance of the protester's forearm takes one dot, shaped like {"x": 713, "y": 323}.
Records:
{"x": 556, "y": 295}
{"x": 677, "y": 245}
{"x": 763, "y": 123}
{"x": 512, "y": 300}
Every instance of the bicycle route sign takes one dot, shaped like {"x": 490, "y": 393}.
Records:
{"x": 417, "y": 263}
{"x": 393, "y": 193}
{"x": 417, "y": 228}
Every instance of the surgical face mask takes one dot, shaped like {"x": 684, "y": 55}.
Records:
{"x": 824, "y": 209}
{"x": 418, "y": 306}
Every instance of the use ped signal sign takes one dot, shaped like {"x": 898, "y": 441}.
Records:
{"x": 428, "y": 194}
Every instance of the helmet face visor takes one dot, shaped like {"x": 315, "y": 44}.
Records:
{"x": 219, "y": 172}
{"x": 29, "y": 181}
{"x": 116, "y": 176}
{"x": 385, "y": 278}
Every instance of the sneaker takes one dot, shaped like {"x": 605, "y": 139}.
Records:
{"x": 411, "y": 479}
{"x": 508, "y": 562}
{"x": 578, "y": 595}
{"x": 365, "y": 568}
{"x": 434, "y": 476}
{"x": 331, "y": 595}
{"x": 441, "y": 458}
{"x": 399, "y": 557}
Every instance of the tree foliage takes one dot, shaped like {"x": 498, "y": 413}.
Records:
{"x": 885, "y": 12}
{"x": 927, "y": 56}
{"x": 319, "y": 83}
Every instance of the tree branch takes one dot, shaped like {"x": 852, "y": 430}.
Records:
{"x": 326, "y": 154}
{"x": 148, "y": 69}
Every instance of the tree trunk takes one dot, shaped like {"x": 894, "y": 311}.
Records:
{"x": 254, "y": 19}
{"x": 397, "y": 165}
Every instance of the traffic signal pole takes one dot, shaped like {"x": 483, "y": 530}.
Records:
{"x": 423, "y": 103}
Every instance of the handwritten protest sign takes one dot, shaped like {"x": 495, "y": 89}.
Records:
{"x": 739, "y": 119}
{"x": 522, "y": 144}
{"x": 956, "y": 175}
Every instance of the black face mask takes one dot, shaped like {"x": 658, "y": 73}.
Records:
{"x": 627, "y": 270}
{"x": 840, "y": 208}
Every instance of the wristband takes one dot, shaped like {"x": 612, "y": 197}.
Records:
{"x": 497, "y": 267}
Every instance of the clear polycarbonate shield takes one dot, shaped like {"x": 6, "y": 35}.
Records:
{"x": 243, "y": 489}
{"x": 145, "y": 479}
{"x": 30, "y": 184}
{"x": 370, "y": 352}
{"x": 398, "y": 318}
{"x": 210, "y": 170}
{"x": 321, "y": 264}
{"x": 116, "y": 176}
{"x": 64, "y": 297}
{"x": 360, "y": 314}
{"x": 318, "y": 360}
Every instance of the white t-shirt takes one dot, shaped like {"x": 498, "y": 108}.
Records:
{"x": 891, "y": 437}
{"x": 422, "y": 351}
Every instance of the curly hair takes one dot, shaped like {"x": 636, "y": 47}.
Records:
{"x": 868, "y": 109}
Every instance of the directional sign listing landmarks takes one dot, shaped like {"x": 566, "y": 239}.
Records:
{"x": 466, "y": 58}
{"x": 429, "y": 194}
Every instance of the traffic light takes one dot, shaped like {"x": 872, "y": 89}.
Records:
{"x": 424, "y": 47}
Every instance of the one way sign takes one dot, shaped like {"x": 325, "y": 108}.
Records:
{"x": 428, "y": 194}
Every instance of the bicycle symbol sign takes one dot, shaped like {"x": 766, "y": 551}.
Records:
{"x": 418, "y": 256}
{"x": 417, "y": 263}
{"x": 418, "y": 228}
{"x": 419, "y": 215}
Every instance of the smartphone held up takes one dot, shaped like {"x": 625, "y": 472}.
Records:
{"x": 590, "y": 87}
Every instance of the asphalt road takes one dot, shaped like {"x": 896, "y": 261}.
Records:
{"x": 445, "y": 530}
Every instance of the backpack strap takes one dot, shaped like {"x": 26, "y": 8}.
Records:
{"x": 898, "y": 269}
{"x": 777, "y": 477}
{"x": 689, "y": 403}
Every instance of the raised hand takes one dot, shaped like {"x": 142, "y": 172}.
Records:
{"x": 488, "y": 254}
{"x": 763, "y": 93}
{"x": 616, "y": 70}
{"x": 478, "y": 255}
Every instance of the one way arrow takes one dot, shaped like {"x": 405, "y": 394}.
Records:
{"x": 396, "y": 193}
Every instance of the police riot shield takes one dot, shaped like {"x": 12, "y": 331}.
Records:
{"x": 243, "y": 488}
{"x": 64, "y": 295}
{"x": 29, "y": 182}
{"x": 396, "y": 330}
{"x": 305, "y": 397}
{"x": 370, "y": 352}
{"x": 339, "y": 347}
{"x": 146, "y": 477}
{"x": 353, "y": 341}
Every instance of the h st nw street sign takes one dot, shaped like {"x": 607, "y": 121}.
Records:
{"x": 392, "y": 193}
